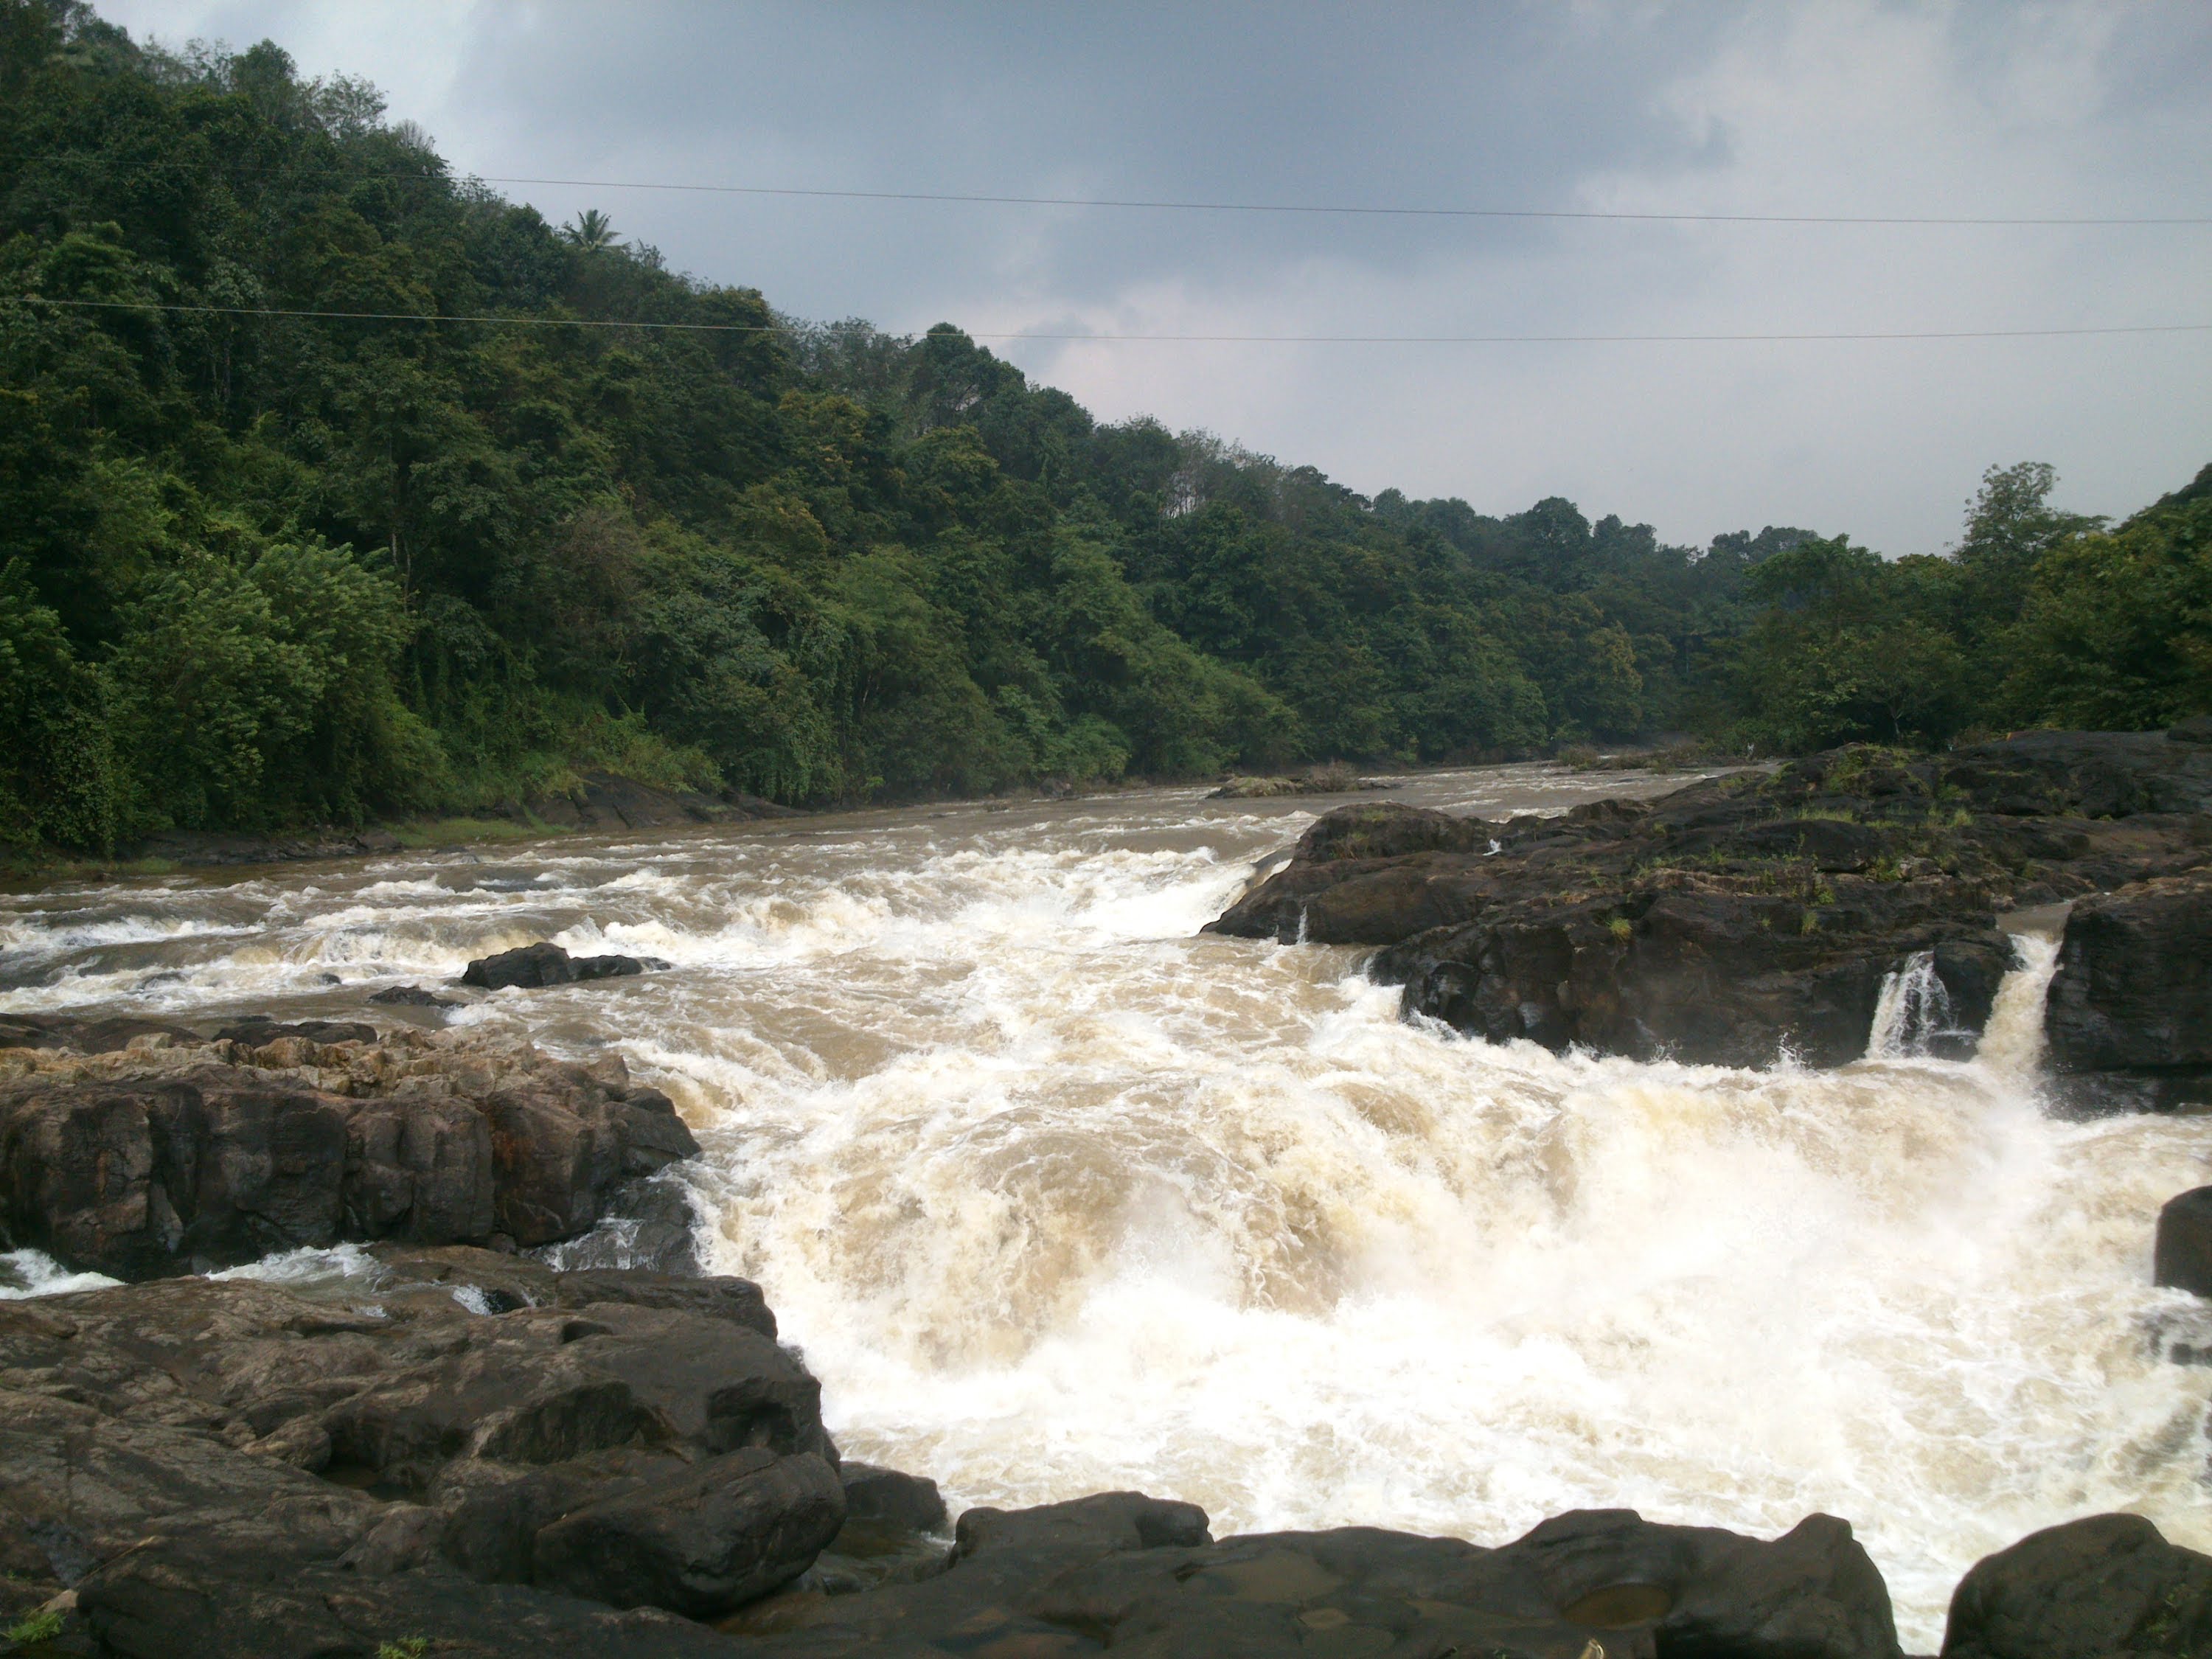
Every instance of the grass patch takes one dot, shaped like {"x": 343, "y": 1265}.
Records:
{"x": 37, "y": 1627}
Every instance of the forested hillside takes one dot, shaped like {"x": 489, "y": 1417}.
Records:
{"x": 266, "y": 569}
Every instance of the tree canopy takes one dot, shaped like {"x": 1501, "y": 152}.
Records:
{"x": 259, "y": 566}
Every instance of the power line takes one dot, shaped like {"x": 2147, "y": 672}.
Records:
{"x": 1174, "y": 205}
{"x": 1171, "y": 206}
{"x": 1194, "y": 339}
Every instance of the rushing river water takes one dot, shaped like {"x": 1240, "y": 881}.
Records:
{"x": 1057, "y": 1195}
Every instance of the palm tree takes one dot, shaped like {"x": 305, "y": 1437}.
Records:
{"x": 592, "y": 230}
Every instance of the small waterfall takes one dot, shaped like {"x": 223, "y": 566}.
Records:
{"x": 1912, "y": 1016}
{"x": 2013, "y": 1042}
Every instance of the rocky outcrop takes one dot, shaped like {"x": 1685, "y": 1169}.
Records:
{"x": 604, "y": 801}
{"x": 1335, "y": 779}
{"x": 2109, "y": 1584}
{"x": 1759, "y": 914}
{"x": 2128, "y": 1019}
{"x": 1123, "y": 1571}
{"x": 2182, "y": 1257}
{"x": 547, "y": 964}
{"x": 204, "y": 847}
{"x": 234, "y": 1467}
{"x": 179, "y": 1153}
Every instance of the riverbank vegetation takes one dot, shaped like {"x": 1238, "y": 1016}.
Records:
{"x": 273, "y": 553}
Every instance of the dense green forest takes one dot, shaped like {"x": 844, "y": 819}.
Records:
{"x": 259, "y": 568}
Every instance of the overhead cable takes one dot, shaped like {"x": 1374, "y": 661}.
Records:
{"x": 1168, "y": 204}
{"x": 1080, "y": 337}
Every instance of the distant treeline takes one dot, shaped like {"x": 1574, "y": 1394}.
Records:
{"x": 264, "y": 569}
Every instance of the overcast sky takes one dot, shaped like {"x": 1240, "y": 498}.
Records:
{"x": 1825, "y": 108}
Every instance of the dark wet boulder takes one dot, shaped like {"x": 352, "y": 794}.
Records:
{"x": 88, "y": 1037}
{"x": 2182, "y": 1257}
{"x": 411, "y": 996}
{"x": 238, "y": 1455}
{"x": 259, "y": 1030}
{"x": 547, "y": 964}
{"x": 1813, "y": 1593}
{"x": 140, "y": 1176}
{"x": 189, "y": 1593}
{"x": 496, "y": 1282}
{"x": 542, "y": 963}
{"x": 2109, "y": 1584}
{"x": 2092, "y": 774}
{"x": 1388, "y": 829}
{"x": 703, "y": 1540}
{"x": 1102, "y": 1524}
{"x": 1709, "y": 976}
{"x": 2129, "y": 1017}
{"x": 137, "y": 1164}
{"x": 1762, "y": 913}
{"x": 1123, "y": 1571}
{"x": 888, "y": 1498}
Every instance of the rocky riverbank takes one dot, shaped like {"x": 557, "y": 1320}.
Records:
{"x": 137, "y": 1149}
{"x": 468, "y": 1453}
{"x": 1761, "y": 914}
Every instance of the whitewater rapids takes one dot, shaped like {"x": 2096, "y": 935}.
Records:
{"x": 1057, "y": 1195}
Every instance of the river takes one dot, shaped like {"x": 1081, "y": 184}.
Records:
{"x": 1057, "y": 1195}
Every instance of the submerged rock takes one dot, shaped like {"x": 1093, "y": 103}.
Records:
{"x": 412, "y": 996}
{"x": 2182, "y": 1258}
{"x": 547, "y": 964}
{"x": 1759, "y": 914}
{"x": 141, "y": 1162}
{"x": 1335, "y": 779}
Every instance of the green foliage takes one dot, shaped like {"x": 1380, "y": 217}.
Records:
{"x": 2115, "y": 631}
{"x": 407, "y": 1647}
{"x": 2040, "y": 619}
{"x": 59, "y": 782}
{"x": 259, "y": 689}
{"x": 34, "y": 1628}
{"x": 262, "y": 570}
{"x": 1849, "y": 646}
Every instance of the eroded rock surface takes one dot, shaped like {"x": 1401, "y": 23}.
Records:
{"x": 1128, "y": 1573}
{"x": 547, "y": 964}
{"x": 2108, "y": 1584}
{"x": 2128, "y": 1019}
{"x": 1757, "y": 912}
{"x": 178, "y": 1154}
{"x": 232, "y": 1467}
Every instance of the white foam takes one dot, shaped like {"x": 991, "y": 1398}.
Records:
{"x": 33, "y": 1273}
